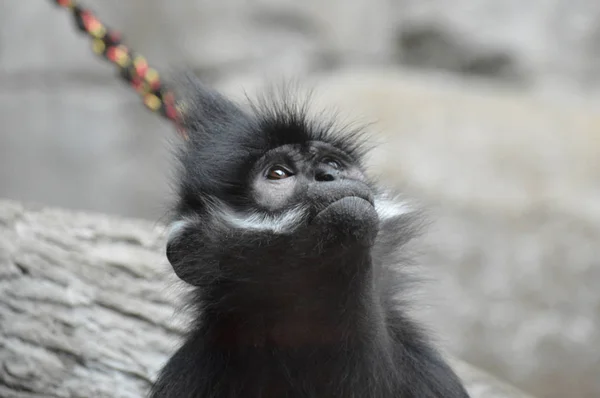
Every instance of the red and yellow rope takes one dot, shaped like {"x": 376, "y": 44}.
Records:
{"x": 133, "y": 67}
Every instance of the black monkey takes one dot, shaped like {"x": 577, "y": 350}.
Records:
{"x": 294, "y": 255}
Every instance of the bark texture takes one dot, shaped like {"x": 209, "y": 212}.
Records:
{"x": 88, "y": 307}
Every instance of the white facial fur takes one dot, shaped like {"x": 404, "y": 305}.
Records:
{"x": 221, "y": 213}
{"x": 282, "y": 223}
{"x": 176, "y": 227}
{"x": 388, "y": 208}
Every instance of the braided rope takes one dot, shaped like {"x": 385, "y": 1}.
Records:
{"x": 133, "y": 67}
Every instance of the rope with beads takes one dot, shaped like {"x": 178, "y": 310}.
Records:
{"x": 132, "y": 67}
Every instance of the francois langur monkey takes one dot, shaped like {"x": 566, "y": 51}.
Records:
{"x": 294, "y": 254}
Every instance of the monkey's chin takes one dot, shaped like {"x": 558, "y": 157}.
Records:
{"x": 351, "y": 217}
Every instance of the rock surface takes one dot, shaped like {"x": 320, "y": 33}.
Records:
{"x": 85, "y": 310}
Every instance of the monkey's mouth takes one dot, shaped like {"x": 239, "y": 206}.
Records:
{"x": 346, "y": 204}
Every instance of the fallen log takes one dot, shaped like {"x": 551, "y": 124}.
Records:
{"x": 88, "y": 307}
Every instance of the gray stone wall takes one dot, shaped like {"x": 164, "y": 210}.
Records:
{"x": 489, "y": 108}
{"x": 69, "y": 124}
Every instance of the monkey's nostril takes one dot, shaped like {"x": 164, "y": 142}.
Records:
{"x": 324, "y": 177}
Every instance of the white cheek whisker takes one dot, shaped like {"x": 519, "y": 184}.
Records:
{"x": 389, "y": 208}
{"x": 285, "y": 222}
{"x": 176, "y": 228}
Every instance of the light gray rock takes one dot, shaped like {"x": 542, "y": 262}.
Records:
{"x": 533, "y": 41}
{"x": 527, "y": 42}
{"x": 86, "y": 310}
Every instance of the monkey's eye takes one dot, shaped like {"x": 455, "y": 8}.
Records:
{"x": 278, "y": 173}
{"x": 332, "y": 162}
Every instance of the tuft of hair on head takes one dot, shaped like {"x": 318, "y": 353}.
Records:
{"x": 286, "y": 113}
{"x": 226, "y": 138}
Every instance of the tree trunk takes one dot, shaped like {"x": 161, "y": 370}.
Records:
{"x": 87, "y": 307}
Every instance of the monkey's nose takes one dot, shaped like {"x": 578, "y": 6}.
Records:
{"x": 324, "y": 176}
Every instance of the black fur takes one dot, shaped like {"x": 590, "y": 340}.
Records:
{"x": 308, "y": 312}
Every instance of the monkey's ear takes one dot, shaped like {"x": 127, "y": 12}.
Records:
{"x": 189, "y": 253}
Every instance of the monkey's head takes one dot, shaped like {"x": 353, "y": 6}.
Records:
{"x": 266, "y": 193}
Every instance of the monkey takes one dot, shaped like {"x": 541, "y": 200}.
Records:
{"x": 294, "y": 255}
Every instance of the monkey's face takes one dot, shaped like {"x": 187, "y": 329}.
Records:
{"x": 314, "y": 186}
{"x": 271, "y": 187}
{"x": 301, "y": 202}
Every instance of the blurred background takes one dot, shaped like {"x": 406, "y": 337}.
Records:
{"x": 487, "y": 111}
